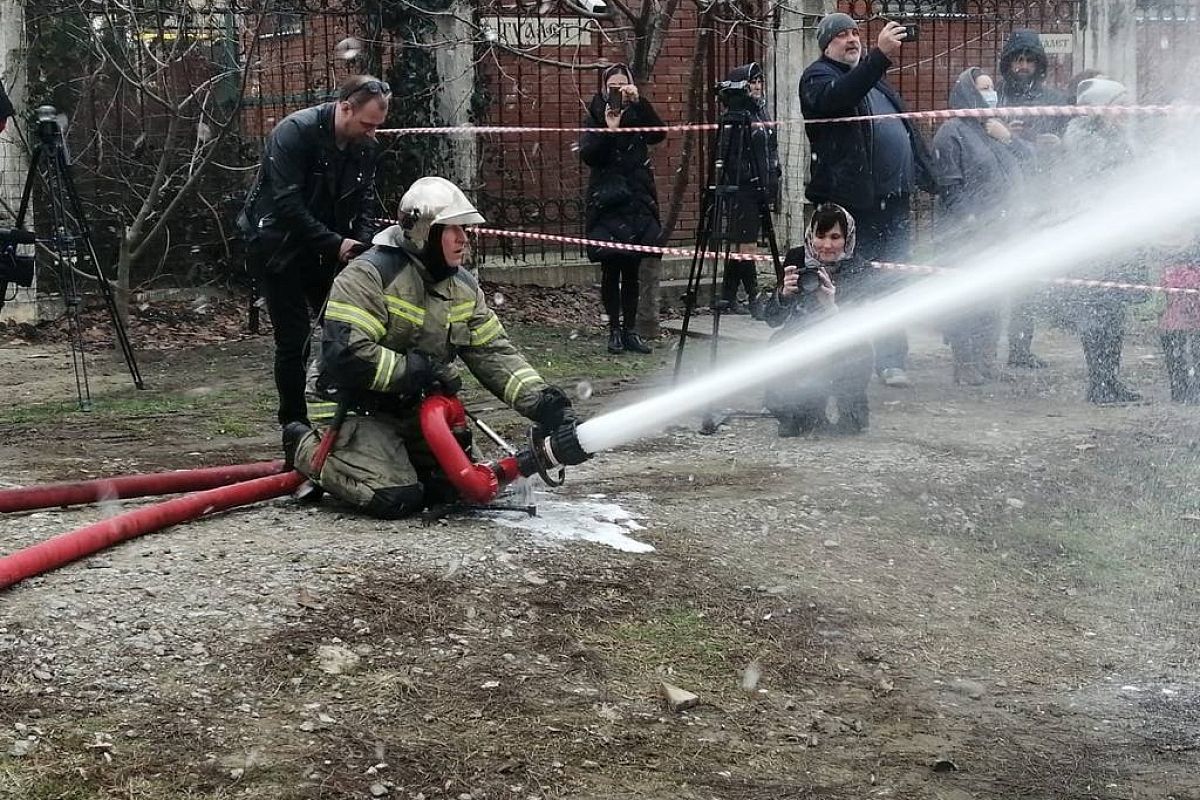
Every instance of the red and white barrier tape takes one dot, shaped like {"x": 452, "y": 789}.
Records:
{"x": 949, "y": 113}
{"x": 886, "y": 265}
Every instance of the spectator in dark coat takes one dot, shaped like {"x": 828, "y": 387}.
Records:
{"x": 813, "y": 274}
{"x": 311, "y": 210}
{"x": 869, "y": 168}
{"x": 622, "y": 202}
{"x": 1023, "y": 69}
{"x": 759, "y": 158}
{"x": 981, "y": 171}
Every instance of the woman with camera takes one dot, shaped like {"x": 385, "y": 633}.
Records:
{"x": 824, "y": 268}
{"x": 621, "y": 204}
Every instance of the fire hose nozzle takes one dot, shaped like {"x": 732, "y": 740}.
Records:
{"x": 549, "y": 452}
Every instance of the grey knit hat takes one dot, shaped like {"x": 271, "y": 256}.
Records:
{"x": 831, "y": 25}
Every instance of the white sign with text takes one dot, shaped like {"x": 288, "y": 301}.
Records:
{"x": 1058, "y": 43}
{"x": 526, "y": 32}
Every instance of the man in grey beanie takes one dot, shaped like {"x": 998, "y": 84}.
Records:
{"x": 871, "y": 169}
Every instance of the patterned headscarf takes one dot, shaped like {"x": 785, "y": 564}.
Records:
{"x": 810, "y": 253}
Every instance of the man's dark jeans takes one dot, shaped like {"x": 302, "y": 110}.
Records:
{"x": 884, "y": 233}
{"x": 295, "y": 296}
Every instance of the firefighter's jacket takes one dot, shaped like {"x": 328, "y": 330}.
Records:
{"x": 385, "y": 304}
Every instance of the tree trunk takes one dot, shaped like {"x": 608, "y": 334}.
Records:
{"x": 649, "y": 279}
{"x": 124, "y": 269}
{"x": 680, "y": 182}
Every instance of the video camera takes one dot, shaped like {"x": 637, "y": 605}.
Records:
{"x": 16, "y": 267}
{"x": 736, "y": 97}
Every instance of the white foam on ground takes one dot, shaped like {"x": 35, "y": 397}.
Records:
{"x": 579, "y": 520}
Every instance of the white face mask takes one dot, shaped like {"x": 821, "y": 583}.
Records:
{"x": 990, "y": 97}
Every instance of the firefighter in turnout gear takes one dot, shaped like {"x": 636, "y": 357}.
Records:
{"x": 398, "y": 317}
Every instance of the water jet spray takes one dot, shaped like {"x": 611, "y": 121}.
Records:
{"x": 1139, "y": 202}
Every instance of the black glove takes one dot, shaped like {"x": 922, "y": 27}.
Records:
{"x": 424, "y": 374}
{"x": 553, "y": 409}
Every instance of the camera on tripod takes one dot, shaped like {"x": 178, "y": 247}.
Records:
{"x": 16, "y": 267}
{"x": 48, "y": 129}
{"x": 736, "y": 97}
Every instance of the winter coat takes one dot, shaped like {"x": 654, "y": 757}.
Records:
{"x": 309, "y": 195}
{"x": 385, "y": 304}
{"x": 1182, "y": 312}
{"x": 845, "y": 373}
{"x": 1015, "y": 92}
{"x": 1094, "y": 147}
{"x": 841, "y": 170}
{"x": 792, "y": 314}
{"x": 621, "y": 204}
{"x": 981, "y": 178}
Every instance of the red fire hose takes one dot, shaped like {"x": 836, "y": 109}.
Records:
{"x": 440, "y": 417}
{"x": 67, "y": 547}
{"x": 26, "y": 498}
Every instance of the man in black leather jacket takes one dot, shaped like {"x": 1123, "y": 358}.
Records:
{"x": 869, "y": 168}
{"x": 311, "y": 210}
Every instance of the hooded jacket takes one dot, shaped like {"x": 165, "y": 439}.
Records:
{"x": 621, "y": 204}
{"x": 309, "y": 196}
{"x": 1097, "y": 145}
{"x": 841, "y": 170}
{"x": 979, "y": 175}
{"x": 763, "y": 146}
{"x": 1015, "y": 91}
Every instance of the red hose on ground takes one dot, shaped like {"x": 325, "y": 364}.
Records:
{"x": 476, "y": 483}
{"x": 49, "y": 495}
{"x": 67, "y": 547}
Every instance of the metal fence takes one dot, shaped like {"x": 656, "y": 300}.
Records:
{"x": 118, "y": 68}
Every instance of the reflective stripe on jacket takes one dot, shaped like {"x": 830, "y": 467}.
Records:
{"x": 384, "y": 304}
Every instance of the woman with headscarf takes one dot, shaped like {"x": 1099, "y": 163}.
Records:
{"x": 813, "y": 275}
{"x": 981, "y": 173}
{"x": 621, "y": 205}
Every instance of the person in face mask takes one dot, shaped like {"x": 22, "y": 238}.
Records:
{"x": 981, "y": 169}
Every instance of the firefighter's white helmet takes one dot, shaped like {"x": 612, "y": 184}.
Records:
{"x": 434, "y": 201}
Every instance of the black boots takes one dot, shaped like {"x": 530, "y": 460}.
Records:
{"x": 1102, "y": 351}
{"x": 616, "y": 342}
{"x": 293, "y": 432}
{"x": 967, "y": 371}
{"x": 634, "y": 343}
{"x": 621, "y": 341}
{"x": 853, "y": 414}
{"x": 1179, "y": 350}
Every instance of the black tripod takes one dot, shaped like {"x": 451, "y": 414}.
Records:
{"x": 739, "y": 164}
{"x": 71, "y": 244}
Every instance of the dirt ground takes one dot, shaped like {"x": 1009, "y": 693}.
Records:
{"x": 991, "y": 594}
